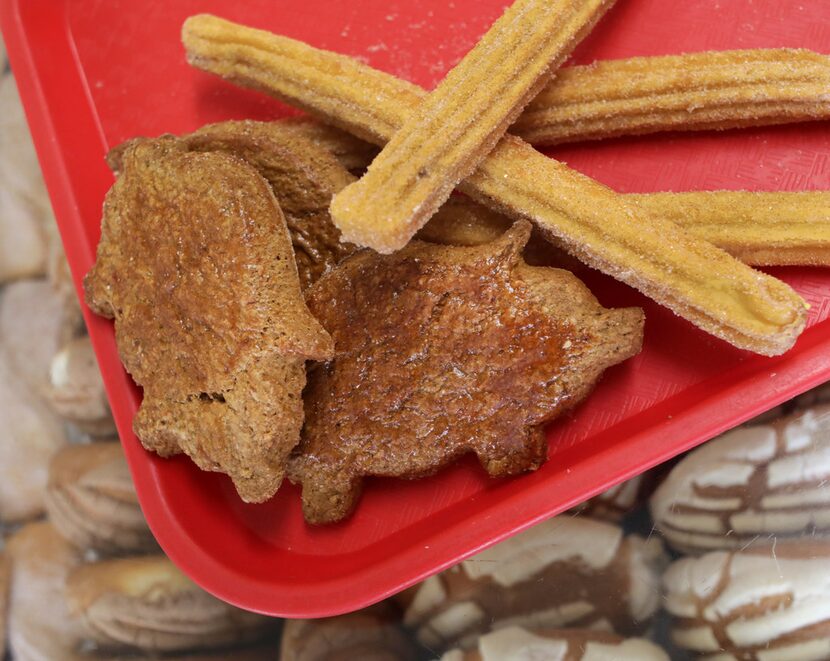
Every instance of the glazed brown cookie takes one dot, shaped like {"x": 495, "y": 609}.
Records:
{"x": 518, "y": 644}
{"x": 371, "y": 634}
{"x": 749, "y": 485}
{"x": 441, "y": 351}
{"x": 566, "y": 572}
{"x": 303, "y": 175}
{"x": 766, "y": 603}
{"x": 353, "y": 153}
{"x": 196, "y": 266}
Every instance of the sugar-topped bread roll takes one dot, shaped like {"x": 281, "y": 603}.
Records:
{"x": 567, "y": 571}
{"x": 749, "y": 484}
{"x": 518, "y": 644}
{"x": 768, "y": 603}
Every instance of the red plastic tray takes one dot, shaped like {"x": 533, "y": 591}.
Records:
{"x": 94, "y": 72}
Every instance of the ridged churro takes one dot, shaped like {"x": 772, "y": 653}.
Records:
{"x": 690, "y": 92}
{"x": 760, "y": 229}
{"x": 458, "y": 124}
{"x": 697, "y": 281}
{"x": 697, "y": 91}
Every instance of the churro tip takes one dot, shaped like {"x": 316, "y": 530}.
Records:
{"x": 191, "y": 23}
{"x": 384, "y": 239}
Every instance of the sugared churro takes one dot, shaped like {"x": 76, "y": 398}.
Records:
{"x": 459, "y": 123}
{"x": 697, "y": 281}
{"x": 691, "y": 92}
{"x": 760, "y": 229}
{"x": 711, "y": 90}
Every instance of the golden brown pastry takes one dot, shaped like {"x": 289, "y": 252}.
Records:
{"x": 455, "y": 350}
{"x": 758, "y": 228}
{"x": 146, "y": 603}
{"x": 689, "y": 92}
{"x": 698, "y": 282}
{"x": 456, "y": 125}
{"x": 196, "y": 266}
{"x": 40, "y": 626}
{"x": 91, "y": 500}
{"x": 371, "y": 634}
{"x": 761, "y": 229}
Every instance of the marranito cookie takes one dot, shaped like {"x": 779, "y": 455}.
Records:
{"x": 371, "y": 634}
{"x": 518, "y": 644}
{"x": 456, "y": 350}
{"x": 568, "y": 571}
{"x": 303, "y": 174}
{"x": 209, "y": 315}
{"x": 767, "y": 603}
{"x": 752, "y": 483}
